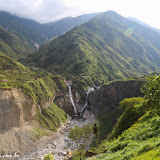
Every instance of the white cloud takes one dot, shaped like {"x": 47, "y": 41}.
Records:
{"x": 49, "y": 10}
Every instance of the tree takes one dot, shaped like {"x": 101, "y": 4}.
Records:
{"x": 130, "y": 102}
{"x": 49, "y": 157}
{"x": 80, "y": 135}
{"x": 133, "y": 110}
{"x": 151, "y": 92}
{"x": 96, "y": 131}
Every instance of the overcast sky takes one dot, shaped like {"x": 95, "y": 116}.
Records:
{"x": 49, "y": 10}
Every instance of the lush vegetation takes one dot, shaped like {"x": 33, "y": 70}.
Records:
{"x": 107, "y": 119}
{"x": 14, "y": 72}
{"x": 81, "y": 135}
{"x": 107, "y": 47}
{"x": 96, "y": 131}
{"x": 134, "y": 109}
{"x": 52, "y": 117}
{"x": 40, "y": 86}
{"x": 137, "y": 141}
{"x": 152, "y": 92}
{"x": 137, "y": 132}
{"x": 13, "y": 46}
{"x": 49, "y": 157}
{"x": 110, "y": 94}
{"x": 20, "y": 76}
{"x": 33, "y": 32}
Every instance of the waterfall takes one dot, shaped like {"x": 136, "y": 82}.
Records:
{"x": 86, "y": 104}
{"x": 40, "y": 108}
{"x": 72, "y": 101}
{"x": 89, "y": 89}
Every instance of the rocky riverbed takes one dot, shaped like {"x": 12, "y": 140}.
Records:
{"x": 59, "y": 144}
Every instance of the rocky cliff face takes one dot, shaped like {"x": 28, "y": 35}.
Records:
{"x": 109, "y": 95}
{"x": 15, "y": 108}
{"x": 104, "y": 102}
{"x": 64, "y": 102}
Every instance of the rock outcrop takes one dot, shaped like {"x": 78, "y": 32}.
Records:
{"x": 109, "y": 95}
{"x": 15, "y": 108}
{"x": 105, "y": 100}
{"x": 64, "y": 102}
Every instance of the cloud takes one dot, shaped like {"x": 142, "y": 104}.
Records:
{"x": 50, "y": 10}
{"x": 40, "y": 10}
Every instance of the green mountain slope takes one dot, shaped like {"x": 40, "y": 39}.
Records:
{"x": 23, "y": 28}
{"x": 38, "y": 85}
{"x": 59, "y": 27}
{"x": 107, "y": 47}
{"x": 139, "y": 142}
{"x": 36, "y": 33}
{"x": 143, "y": 24}
{"x": 12, "y": 46}
{"x": 14, "y": 72}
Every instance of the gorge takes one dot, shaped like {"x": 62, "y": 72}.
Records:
{"x": 72, "y": 101}
{"x": 77, "y": 78}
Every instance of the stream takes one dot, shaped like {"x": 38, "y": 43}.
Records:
{"x": 59, "y": 144}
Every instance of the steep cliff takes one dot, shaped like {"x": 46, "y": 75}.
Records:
{"x": 27, "y": 103}
{"x": 27, "y": 111}
{"x": 15, "y": 108}
{"x": 104, "y": 102}
{"x": 25, "y": 93}
{"x": 78, "y": 90}
{"x": 109, "y": 95}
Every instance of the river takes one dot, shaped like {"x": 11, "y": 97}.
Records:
{"x": 59, "y": 144}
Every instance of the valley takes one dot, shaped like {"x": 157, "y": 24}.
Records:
{"x": 59, "y": 144}
{"x": 99, "y": 67}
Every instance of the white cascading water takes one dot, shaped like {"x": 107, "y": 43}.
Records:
{"x": 85, "y": 105}
{"x": 40, "y": 109}
{"x": 89, "y": 89}
{"x": 72, "y": 101}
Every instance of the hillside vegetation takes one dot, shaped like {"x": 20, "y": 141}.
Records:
{"x": 13, "y": 46}
{"x": 40, "y": 86}
{"x": 35, "y": 33}
{"x": 141, "y": 141}
{"x": 136, "y": 134}
{"x": 107, "y": 47}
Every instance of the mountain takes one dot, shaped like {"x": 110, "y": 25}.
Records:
{"x": 13, "y": 46}
{"x": 59, "y": 27}
{"x": 139, "y": 142}
{"x": 24, "y": 28}
{"x": 107, "y": 47}
{"x": 35, "y": 33}
{"x": 143, "y": 24}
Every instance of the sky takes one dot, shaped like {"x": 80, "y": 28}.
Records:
{"x": 51, "y": 10}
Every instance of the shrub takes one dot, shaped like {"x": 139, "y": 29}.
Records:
{"x": 49, "y": 157}
{"x": 131, "y": 114}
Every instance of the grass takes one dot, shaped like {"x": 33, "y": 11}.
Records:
{"x": 134, "y": 109}
{"x": 75, "y": 155}
{"x": 52, "y": 117}
{"x": 153, "y": 154}
{"x": 100, "y": 51}
{"x": 13, "y": 46}
{"x": 142, "y": 139}
{"x": 38, "y": 133}
{"x": 41, "y": 86}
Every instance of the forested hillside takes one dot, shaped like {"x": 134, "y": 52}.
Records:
{"x": 12, "y": 45}
{"x": 35, "y": 33}
{"x": 107, "y": 47}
